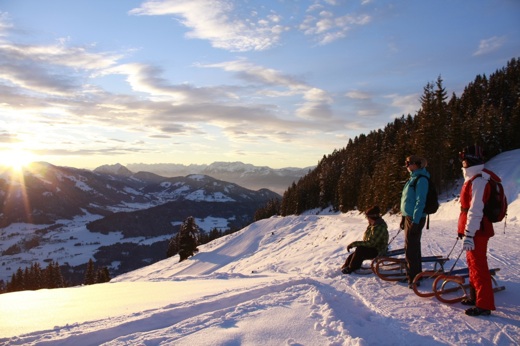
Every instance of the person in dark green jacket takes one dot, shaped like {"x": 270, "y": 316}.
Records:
{"x": 374, "y": 243}
{"x": 413, "y": 200}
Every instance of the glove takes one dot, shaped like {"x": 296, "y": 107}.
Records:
{"x": 349, "y": 247}
{"x": 468, "y": 244}
{"x": 460, "y": 235}
{"x": 401, "y": 225}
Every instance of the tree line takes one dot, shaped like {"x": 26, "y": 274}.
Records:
{"x": 369, "y": 170}
{"x": 34, "y": 277}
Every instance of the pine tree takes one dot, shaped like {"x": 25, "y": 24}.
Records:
{"x": 52, "y": 276}
{"x": 90, "y": 274}
{"x": 188, "y": 239}
{"x": 185, "y": 242}
{"x": 102, "y": 275}
{"x": 173, "y": 246}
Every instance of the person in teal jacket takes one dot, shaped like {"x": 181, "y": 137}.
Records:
{"x": 413, "y": 200}
{"x": 374, "y": 243}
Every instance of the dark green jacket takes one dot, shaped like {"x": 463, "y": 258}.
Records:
{"x": 375, "y": 236}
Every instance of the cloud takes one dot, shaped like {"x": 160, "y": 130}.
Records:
{"x": 490, "y": 45}
{"x": 233, "y": 26}
{"x": 252, "y": 73}
{"x": 5, "y": 24}
{"x": 316, "y": 102}
{"x": 327, "y": 27}
{"x": 223, "y": 26}
{"x": 356, "y": 94}
{"x": 6, "y": 137}
{"x": 147, "y": 79}
{"x": 405, "y": 104}
{"x": 50, "y": 97}
{"x": 50, "y": 69}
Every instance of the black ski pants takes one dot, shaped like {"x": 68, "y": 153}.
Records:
{"x": 412, "y": 247}
{"x": 355, "y": 259}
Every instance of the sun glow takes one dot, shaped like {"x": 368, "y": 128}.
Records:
{"x": 16, "y": 159}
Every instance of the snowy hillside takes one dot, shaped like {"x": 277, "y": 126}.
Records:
{"x": 277, "y": 282}
{"x": 70, "y": 216}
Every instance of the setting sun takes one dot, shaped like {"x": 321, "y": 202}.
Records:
{"x": 16, "y": 158}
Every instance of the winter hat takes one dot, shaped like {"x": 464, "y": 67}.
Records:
{"x": 473, "y": 155}
{"x": 419, "y": 161}
{"x": 373, "y": 212}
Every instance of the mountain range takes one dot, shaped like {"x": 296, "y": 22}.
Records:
{"x": 247, "y": 175}
{"x": 120, "y": 219}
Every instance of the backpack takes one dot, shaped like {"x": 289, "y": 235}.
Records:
{"x": 432, "y": 199}
{"x": 495, "y": 208}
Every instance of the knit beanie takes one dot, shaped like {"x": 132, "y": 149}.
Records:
{"x": 473, "y": 155}
{"x": 373, "y": 212}
{"x": 419, "y": 161}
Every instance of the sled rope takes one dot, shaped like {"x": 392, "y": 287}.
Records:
{"x": 456, "y": 240}
{"x": 395, "y": 236}
{"x": 453, "y": 266}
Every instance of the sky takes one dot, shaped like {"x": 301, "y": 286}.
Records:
{"x": 277, "y": 83}
{"x": 277, "y": 282}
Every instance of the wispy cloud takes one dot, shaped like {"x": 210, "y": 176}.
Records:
{"x": 405, "y": 104}
{"x": 41, "y": 68}
{"x": 327, "y": 27}
{"x": 218, "y": 22}
{"x": 5, "y": 24}
{"x": 50, "y": 86}
{"x": 230, "y": 27}
{"x": 489, "y": 45}
{"x": 357, "y": 94}
{"x": 315, "y": 102}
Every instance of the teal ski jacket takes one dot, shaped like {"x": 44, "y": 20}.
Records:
{"x": 413, "y": 198}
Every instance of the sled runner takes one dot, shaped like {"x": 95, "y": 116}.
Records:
{"x": 452, "y": 288}
{"x": 394, "y": 269}
{"x": 365, "y": 270}
{"x": 448, "y": 287}
{"x": 427, "y": 279}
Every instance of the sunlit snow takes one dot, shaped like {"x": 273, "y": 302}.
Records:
{"x": 277, "y": 282}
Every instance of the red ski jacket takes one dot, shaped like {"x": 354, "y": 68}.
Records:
{"x": 473, "y": 195}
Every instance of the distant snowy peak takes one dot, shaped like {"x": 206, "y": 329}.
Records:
{"x": 116, "y": 169}
{"x": 247, "y": 175}
{"x": 235, "y": 167}
{"x": 167, "y": 169}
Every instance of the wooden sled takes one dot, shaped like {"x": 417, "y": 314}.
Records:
{"x": 427, "y": 278}
{"x": 394, "y": 269}
{"x": 366, "y": 270}
{"x": 452, "y": 288}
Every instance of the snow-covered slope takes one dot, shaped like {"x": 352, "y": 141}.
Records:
{"x": 70, "y": 216}
{"x": 277, "y": 282}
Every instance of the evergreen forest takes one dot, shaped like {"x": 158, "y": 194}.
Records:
{"x": 370, "y": 169}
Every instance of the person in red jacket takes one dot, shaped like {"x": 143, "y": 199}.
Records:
{"x": 475, "y": 229}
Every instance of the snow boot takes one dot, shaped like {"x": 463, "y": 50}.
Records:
{"x": 346, "y": 270}
{"x": 478, "y": 312}
{"x": 471, "y": 299}
{"x": 410, "y": 284}
{"x": 467, "y": 301}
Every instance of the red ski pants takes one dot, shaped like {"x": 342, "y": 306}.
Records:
{"x": 479, "y": 275}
